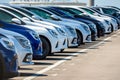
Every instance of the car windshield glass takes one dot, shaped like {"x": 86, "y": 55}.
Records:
{"x": 40, "y": 13}
{"x": 58, "y": 12}
{"x": 64, "y": 12}
{"x": 15, "y": 12}
{"x": 6, "y": 17}
{"x": 24, "y": 11}
{"x": 75, "y": 10}
{"x": 109, "y": 11}
{"x": 88, "y": 11}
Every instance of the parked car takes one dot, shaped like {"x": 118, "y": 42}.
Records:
{"x": 8, "y": 58}
{"x": 30, "y": 34}
{"x": 22, "y": 46}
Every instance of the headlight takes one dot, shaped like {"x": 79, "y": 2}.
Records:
{"x": 71, "y": 30}
{"x": 7, "y": 43}
{"x": 53, "y": 33}
{"x": 85, "y": 27}
{"x": 34, "y": 34}
{"x": 60, "y": 31}
{"x": 24, "y": 42}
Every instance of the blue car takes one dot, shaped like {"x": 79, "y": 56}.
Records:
{"x": 8, "y": 58}
{"x": 29, "y": 34}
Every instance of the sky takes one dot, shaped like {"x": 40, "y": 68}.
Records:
{"x": 97, "y": 2}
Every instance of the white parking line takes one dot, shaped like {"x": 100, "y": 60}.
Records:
{"x": 65, "y": 59}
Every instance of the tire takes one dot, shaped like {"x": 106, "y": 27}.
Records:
{"x": 46, "y": 47}
{"x": 79, "y": 38}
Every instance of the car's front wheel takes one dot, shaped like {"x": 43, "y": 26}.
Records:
{"x": 46, "y": 47}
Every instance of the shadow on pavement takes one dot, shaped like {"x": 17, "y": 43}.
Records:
{"x": 57, "y": 59}
{"x": 42, "y": 63}
{"x": 32, "y": 74}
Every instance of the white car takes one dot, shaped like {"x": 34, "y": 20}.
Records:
{"x": 83, "y": 31}
{"x": 47, "y": 35}
{"x": 22, "y": 47}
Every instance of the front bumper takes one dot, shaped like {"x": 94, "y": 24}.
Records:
{"x": 87, "y": 38}
{"x": 108, "y": 29}
{"x": 24, "y": 57}
{"x": 72, "y": 41}
{"x": 63, "y": 42}
{"x": 55, "y": 45}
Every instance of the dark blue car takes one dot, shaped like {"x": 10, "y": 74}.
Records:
{"x": 29, "y": 34}
{"x": 8, "y": 58}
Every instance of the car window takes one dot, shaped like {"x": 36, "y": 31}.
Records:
{"x": 108, "y": 11}
{"x": 29, "y": 14}
{"x": 66, "y": 12}
{"x": 6, "y": 17}
{"x": 56, "y": 12}
{"x": 15, "y": 12}
{"x": 89, "y": 11}
{"x": 75, "y": 10}
{"x": 40, "y": 13}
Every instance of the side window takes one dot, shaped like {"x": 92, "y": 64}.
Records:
{"x": 6, "y": 17}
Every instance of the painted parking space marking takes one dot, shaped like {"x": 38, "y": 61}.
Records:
{"x": 66, "y": 58}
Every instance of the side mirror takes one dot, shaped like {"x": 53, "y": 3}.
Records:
{"x": 54, "y": 17}
{"x": 35, "y": 17}
{"x": 26, "y": 19}
{"x": 16, "y": 21}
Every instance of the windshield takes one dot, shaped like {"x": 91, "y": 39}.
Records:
{"x": 75, "y": 11}
{"x": 24, "y": 11}
{"x": 40, "y": 13}
{"x": 15, "y": 12}
{"x": 58, "y": 12}
{"x": 6, "y": 17}
{"x": 88, "y": 11}
{"x": 109, "y": 11}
